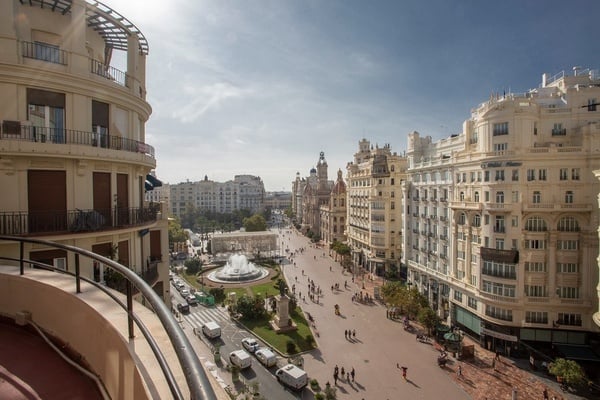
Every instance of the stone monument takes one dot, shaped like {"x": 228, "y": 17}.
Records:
{"x": 282, "y": 321}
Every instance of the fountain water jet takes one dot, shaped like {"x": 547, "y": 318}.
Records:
{"x": 238, "y": 269}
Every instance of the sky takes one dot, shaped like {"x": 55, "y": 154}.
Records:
{"x": 262, "y": 87}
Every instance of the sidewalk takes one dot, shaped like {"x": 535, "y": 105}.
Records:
{"x": 482, "y": 382}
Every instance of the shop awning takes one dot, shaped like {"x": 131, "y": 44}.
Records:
{"x": 153, "y": 181}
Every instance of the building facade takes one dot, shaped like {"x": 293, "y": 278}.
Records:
{"x": 333, "y": 214}
{"x": 278, "y": 200}
{"x": 374, "y": 208}
{"x": 315, "y": 194}
{"x": 243, "y": 192}
{"x": 72, "y": 139}
{"x": 298, "y": 186}
{"x": 515, "y": 258}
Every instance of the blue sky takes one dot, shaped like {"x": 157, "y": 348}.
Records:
{"x": 261, "y": 87}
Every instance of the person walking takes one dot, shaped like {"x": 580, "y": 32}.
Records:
{"x": 354, "y": 333}
{"x": 459, "y": 371}
{"x": 352, "y": 374}
{"x": 404, "y": 369}
{"x": 545, "y": 393}
{"x": 343, "y": 371}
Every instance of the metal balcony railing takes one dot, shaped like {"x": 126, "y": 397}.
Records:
{"x": 44, "y": 52}
{"x": 42, "y": 134}
{"x": 108, "y": 72}
{"x": 196, "y": 379}
{"x": 74, "y": 221}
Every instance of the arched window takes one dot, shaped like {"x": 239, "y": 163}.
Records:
{"x": 392, "y": 168}
{"x": 476, "y": 197}
{"x": 477, "y": 220}
{"x": 536, "y": 224}
{"x": 462, "y": 219}
{"x": 568, "y": 224}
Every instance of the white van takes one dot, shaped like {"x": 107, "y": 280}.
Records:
{"x": 266, "y": 357}
{"x": 241, "y": 359}
{"x": 292, "y": 377}
{"x": 211, "y": 330}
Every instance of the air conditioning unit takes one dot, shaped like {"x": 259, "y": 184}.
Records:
{"x": 11, "y": 127}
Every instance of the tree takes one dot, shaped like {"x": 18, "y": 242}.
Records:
{"x": 176, "y": 232}
{"x": 428, "y": 318}
{"x": 193, "y": 265}
{"x": 569, "y": 371}
{"x": 251, "y": 308}
{"x": 255, "y": 223}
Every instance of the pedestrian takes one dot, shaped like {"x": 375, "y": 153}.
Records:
{"x": 335, "y": 378}
{"x": 336, "y": 369}
{"x": 352, "y": 374}
{"x": 343, "y": 371}
{"x": 354, "y": 333}
{"x": 404, "y": 369}
{"x": 459, "y": 372}
{"x": 545, "y": 393}
{"x": 346, "y": 334}
{"x": 397, "y": 365}
{"x": 348, "y": 377}
{"x": 494, "y": 364}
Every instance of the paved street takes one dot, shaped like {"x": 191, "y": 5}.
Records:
{"x": 380, "y": 345}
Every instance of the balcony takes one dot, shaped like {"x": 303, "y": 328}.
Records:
{"x": 499, "y": 229}
{"x": 466, "y": 205}
{"x": 44, "y": 52}
{"x": 497, "y": 206}
{"x": 559, "y": 132}
{"x": 442, "y": 218}
{"x": 75, "y": 221}
{"x": 15, "y": 130}
{"x": 108, "y": 72}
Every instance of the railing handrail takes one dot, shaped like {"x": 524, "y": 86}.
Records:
{"x": 195, "y": 376}
{"x": 30, "y": 133}
{"x": 16, "y": 223}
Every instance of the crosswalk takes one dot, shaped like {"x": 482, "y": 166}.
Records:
{"x": 200, "y": 315}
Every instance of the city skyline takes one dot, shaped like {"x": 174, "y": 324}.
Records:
{"x": 238, "y": 89}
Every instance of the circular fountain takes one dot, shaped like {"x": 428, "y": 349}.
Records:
{"x": 238, "y": 269}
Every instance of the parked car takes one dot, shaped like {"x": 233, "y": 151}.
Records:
{"x": 191, "y": 300}
{"x": 266, "y": 357}
{"x": 250, "y": 344}
{"x": 211, "y": 330}
{"x": 292, "y": 376}
{"x": 184, "y": 293}
{"x": 183, "y": 308}
{"x": 240, "y": 358}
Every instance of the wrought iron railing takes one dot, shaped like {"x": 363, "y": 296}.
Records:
{"x": 108, "y": 72}
{"x": 44, "y": 52}
{"x": 25, "y": 223}
{"x": 70, "y": 136}
{"x": 197, "y": 381}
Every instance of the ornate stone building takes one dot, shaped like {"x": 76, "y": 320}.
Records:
{"x": 515, "y": 258}
{"x": 374, "y": 208}
{"x": 316, "y": 193}
{"x": 333, "y": 214}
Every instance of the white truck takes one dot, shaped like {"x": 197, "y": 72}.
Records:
{"x": 241, "y": 359}
{"x": 211, "y": 330}
{"x": 292, "y": 377}
{"x": 266, "y": 357}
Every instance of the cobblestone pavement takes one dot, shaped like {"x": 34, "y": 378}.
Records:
{"x": 483, "y": 382}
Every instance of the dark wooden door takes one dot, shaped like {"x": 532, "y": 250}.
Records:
{"x": 123, "y": 199}
{"x": 47, "y": 201}
{"x": 102, "y": 196}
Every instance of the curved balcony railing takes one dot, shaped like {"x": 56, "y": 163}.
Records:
{"x": 198, "y": 383}
{"x": 43, "y": 134}
{"x": 75, "y": 221}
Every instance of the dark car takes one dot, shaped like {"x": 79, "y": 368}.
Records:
{"x": 183, "y": 308}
